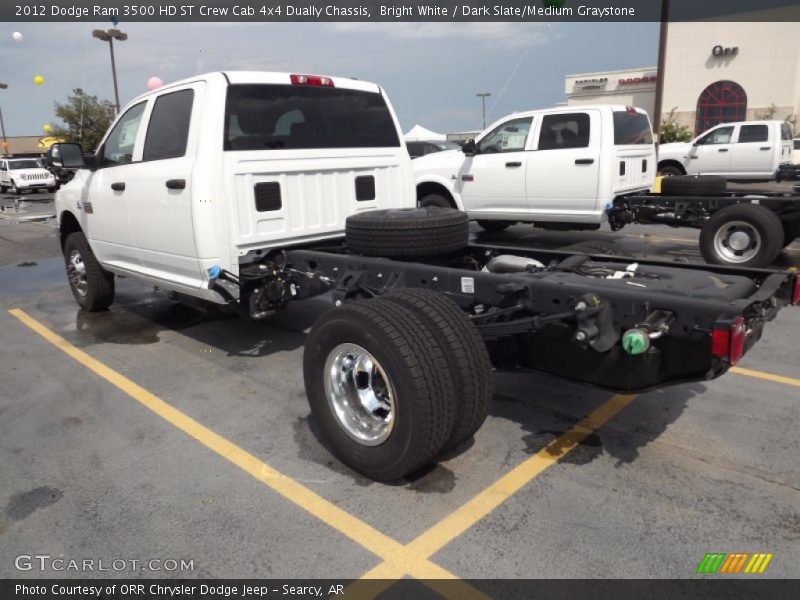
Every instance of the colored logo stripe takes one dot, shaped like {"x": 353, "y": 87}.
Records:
{"x": 758, "y": 563}
{"x": 711, "y": 562}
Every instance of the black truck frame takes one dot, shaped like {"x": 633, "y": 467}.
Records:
{"x": 567, "y": 317}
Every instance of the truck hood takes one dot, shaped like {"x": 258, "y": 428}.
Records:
{"x": 448, "y": 161}
{"x": 677, "y": 150}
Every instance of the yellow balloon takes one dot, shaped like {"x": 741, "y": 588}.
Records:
{"x": 38, "y": 80}
{"x": 47, "y": 128}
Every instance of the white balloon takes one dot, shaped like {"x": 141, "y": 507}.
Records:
{"x": 17, "y": 36}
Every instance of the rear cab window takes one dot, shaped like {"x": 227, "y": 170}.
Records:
{"x": 631, "y": 127}
{"x": 289, "y": 117}
{"x": 786, "y": 132}
{"x": 168, "y": 130}
{"x": 565, "y": 130}
{"x": 749, "y": 134}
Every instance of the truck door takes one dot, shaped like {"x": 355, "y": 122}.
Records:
{"x": 753, "y": 152}
{"x": 105, "y": 205}
{"x": 493, "y": 181}
{"x": 564, "y": 168}
{"x": 161, "y": 209}
{"x": 711, "y": 153}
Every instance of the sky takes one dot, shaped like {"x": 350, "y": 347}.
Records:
{"x": 431, "y": 71}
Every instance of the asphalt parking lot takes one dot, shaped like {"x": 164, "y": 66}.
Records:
{"x": 154, "y": 431}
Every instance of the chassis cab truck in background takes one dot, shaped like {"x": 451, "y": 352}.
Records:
{"x": 254, "y": 190}
{"x": 558, "y": 167}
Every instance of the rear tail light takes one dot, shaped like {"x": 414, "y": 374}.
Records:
{"x": 727, "y": 340}
{"x": 315, "y": 80}
{"x": 796, "y": 290}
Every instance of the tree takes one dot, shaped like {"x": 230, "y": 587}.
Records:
{"x": 85, "y": 119}
{"x": 671, "y": 131}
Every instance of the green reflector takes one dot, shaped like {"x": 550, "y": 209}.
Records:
{"x": 635, "y": 341}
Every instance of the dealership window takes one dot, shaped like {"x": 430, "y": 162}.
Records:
{"x": 720, "y": 102}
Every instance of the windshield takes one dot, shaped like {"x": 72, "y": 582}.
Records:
{"x": 447, "y": 146}
{"x": 631, "y": 128}
{"x": 288, "y": 117}
{"x": 30, "y": 163}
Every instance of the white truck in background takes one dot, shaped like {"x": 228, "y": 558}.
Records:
{"x": 745, "y": 150}
{"x": 559, "y": 168}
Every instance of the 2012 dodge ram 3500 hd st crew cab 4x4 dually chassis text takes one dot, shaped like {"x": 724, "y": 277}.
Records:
{"x": 254, "y": 190}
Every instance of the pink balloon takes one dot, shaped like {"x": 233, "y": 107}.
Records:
{"x": 154, "y": 83}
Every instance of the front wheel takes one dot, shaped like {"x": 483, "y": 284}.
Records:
{"x": 670, "y": 171}
{"x": 91, "y": 285}
{"x": 14, "y": 189}
{"x": 379, "y": 386}
{"x": 744, "y": 235}
{"x": 435, "y": 200}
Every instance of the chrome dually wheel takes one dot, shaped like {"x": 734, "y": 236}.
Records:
{"x": 360, "y": 393}
{"x": 76, "y": 272}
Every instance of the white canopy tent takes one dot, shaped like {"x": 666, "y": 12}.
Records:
{"x": 418, "y": 133}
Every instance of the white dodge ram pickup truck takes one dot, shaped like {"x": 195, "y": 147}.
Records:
{"x": 744, "y": 150}
{"x": 256, "y": 190}
{"x": 559, "y": 167}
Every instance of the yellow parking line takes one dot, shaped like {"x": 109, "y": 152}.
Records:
{"x": 452, "y": 526}
{"x": 766, "y": 376}
{"x": 340, "y": 520}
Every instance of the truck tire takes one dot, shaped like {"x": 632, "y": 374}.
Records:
{"x": 688, "y": 185}
{"x": 495, "y": 226}
{"x": 466, "y": 355}
{"x": 14, "y": 189}
{"x": 596, "y": 247}
{"x": 407, "y": 233}
{"x": 670, "y": 171}
{"x": 91, "y": 285}
{"x": 379, "y": 387}
{"x": 435, "y": 200}
{"x": 744, "y": 235}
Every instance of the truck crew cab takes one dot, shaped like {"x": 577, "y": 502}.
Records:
{"x": 254, "y": 190}
{"x": 558, "y": 167}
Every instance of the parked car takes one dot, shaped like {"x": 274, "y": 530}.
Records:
{"x": 559, "y": 167}
{"x": 744, "y": 150}
{"x": 421, "y": 148}
{"x": 18, "y": 175}
{"x": 257, "y": 190}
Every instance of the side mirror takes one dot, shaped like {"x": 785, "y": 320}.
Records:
{"x": 67, "y": 156}
{"x": 469, "y": 148}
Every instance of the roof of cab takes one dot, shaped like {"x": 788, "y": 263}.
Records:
{"x": 259, "y": 77}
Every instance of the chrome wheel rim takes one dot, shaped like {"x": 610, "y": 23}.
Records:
{"x": 76, "y": 272}
{"x": 737, "y": 242}
{"x": 360, "y": 394}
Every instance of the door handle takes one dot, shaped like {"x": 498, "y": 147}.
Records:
{"x": 584, "y": 161}
{"x": 766, "y": 147}
{"x": 722, "y": 150}
{"x": 512, "y": 165}
{"x": 176, "y": 184}
{"x": 118, "y": 186}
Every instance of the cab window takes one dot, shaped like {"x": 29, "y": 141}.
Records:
{"x": 118, "y": 147}
{"x": 168, "y": 130}
{"x": 507, "y": 137}
{"x": 753, "y": 133}
{"x": 566, "y": 130}
{"x": 722, "y": 135}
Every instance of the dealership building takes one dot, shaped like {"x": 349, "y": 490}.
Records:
{"x": 714, "y": 73}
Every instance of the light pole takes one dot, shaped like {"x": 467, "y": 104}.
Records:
{"x": 109, "y": 36}
{"x": 3, "y": 86}
{"x": 483, "y": 96}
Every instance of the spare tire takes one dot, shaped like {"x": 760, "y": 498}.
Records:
{"x": 407, "y": 233}
{"x": 705, "y": 185}
{"x": 597, "y": 247}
